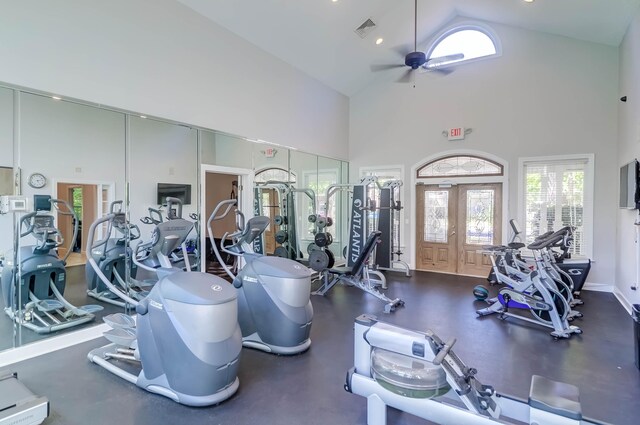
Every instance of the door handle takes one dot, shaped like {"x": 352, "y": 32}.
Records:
{"x": 452, "y": 233}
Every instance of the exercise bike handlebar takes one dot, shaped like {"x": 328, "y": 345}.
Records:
{"x": 94, "y": 265}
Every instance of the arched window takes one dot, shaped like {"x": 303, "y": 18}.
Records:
{"x": 274, "y": 174}
{"x": 473, "y": 41}
{"x": 460, "y": 166}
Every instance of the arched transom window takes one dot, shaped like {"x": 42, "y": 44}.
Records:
{"x": 471, "y": 41}
{"x": 274, "y": 174}
{"x": 460, "y": 166}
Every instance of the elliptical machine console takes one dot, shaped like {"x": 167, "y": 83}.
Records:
{"x": 275, "y": 310}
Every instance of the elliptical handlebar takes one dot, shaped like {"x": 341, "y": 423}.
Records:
{"x": 114, "y": 204}
{"x": 171, "y": 201}
{"x": 90, "y": 245}
{"x": 217, "y": 216}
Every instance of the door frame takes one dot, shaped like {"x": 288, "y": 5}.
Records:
{"x": 503, "y": 179}
{"x": 246, "y": 177}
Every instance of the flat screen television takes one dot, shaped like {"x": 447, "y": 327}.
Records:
{"x": 629, "y": 195}
{"x": 180, "y": 191}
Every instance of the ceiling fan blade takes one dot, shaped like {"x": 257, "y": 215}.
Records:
{"x": 406, "y": 77}
{"x": 433, "y": 62}
{"x": 442, "y": 71}
{"x": 378, "y": 68}
{"x": 402, "y": 50}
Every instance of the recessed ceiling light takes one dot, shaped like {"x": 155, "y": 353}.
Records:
{"x": 56, "y": 98}
{"x": 379, "y": 41}
{"x": 528, "y": 1}
{"x": 335, "y": 1}
{"x": 143, "y": 116}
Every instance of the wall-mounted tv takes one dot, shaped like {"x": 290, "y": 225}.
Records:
{"x": 629, "y": 194}
{"x": 180, "y": 191}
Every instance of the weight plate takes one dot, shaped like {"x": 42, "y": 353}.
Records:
{"x": 321, "y": 222}
{"x": 279, "y": 220}
{"x": 281, "y": 236}
{"x": 329, "y": 238}
{"x": 281, "y": 252}
{"x": 319, "y": 260}
{"x": 312, "y": 247}
{"x": 332, "y": 258}
{"x": 329, "y": 222}
{"x": 321, "y": 240}
{"x": 344, "y": 251}
{"x": 312, "y": 218}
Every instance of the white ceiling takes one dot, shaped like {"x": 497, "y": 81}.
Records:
{"x": 317, "y": 36}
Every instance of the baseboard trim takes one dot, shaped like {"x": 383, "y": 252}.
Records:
{"x": 38, "y": 348}
{"x": 623, "y": 300}
{"x": 598, "y": 287}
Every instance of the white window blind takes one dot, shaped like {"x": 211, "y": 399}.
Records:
{"x": 558, "y": 193}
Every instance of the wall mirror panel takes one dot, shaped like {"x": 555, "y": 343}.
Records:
{"x": 163, "y": 200}
{"x": 226, "y": 174}
{"x": 329, "y": 174}
{"x": 72, "y": 166}
{"x": 7, "y": 328}
{"x": 303, "y": 203}
{"x": 79, "y": 164}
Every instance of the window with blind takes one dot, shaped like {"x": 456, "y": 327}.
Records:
{"x": 558, "y": 193}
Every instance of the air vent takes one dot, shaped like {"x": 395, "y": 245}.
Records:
{"x": 365, "y": 28}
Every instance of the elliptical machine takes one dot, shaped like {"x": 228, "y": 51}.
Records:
{"x": 275, "y": 310}
{"x": 36, "y": 301}
{"x": 186, "y": 339}
{"x": 112, "y": 256}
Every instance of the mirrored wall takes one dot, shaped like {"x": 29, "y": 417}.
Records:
{"x": 96, "y": 181}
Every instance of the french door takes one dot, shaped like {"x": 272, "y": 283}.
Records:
{"x": 454, "y": 223}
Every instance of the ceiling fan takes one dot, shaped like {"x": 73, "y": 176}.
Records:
{"x": 418, "y": 60}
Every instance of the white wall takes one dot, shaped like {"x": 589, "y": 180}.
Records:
{"x": 545, "y": 95}
{"x": 629, "y": 148}
{"x": 161, "y": 58}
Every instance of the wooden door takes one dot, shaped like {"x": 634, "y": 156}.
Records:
{"x": 436, "y": 236}
{"x": 270, "y": 208}
{"x": 480, "y": 224}
{"x": 454, "y": 223}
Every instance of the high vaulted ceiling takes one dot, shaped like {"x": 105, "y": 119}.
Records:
{"x": 317, "y": 36}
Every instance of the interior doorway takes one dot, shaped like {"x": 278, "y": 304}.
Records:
{"x": 219, "y": 184}
{"x": 88, "y": 201}
{"x": 454, "y": 222}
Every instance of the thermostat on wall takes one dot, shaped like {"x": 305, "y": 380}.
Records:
{"x": 13, "y": 204}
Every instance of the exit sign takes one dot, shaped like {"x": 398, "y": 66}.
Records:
{"x": 456, "y": 133}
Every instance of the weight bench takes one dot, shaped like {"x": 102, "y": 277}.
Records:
{"x": 358, "y": 275}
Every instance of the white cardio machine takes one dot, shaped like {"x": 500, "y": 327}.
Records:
{"x": 416, "y": 372}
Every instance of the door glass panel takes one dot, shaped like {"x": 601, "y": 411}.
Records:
{"x": 436, "y": 216}
{"x": 480, "y": 217}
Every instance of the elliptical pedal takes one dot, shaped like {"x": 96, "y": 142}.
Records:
{"x": 48, "y": 305}
{"x": 91, "y": 308}
{"x": 123, "y": 337}
{"x": 119, "y": 321}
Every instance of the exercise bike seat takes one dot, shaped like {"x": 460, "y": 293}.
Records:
{"x": 555, "y": 397}
{"x": 49, "y": 305}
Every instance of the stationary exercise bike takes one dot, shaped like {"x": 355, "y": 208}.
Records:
{"x": 36, "y": 300}
{"x": 536, "y": 294}
{"x": 186, "y": 340}
{"x": 275, "y": 311}
{"x": 418, "y": 373}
